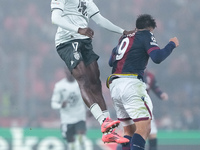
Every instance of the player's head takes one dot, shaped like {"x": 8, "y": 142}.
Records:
{"x": 145, "y": 21}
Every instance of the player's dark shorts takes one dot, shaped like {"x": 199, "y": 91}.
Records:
{"x": 70, "y": 130}
{"x": 74, "y": 51}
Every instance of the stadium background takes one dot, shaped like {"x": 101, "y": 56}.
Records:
{"x": 30, "y": 66}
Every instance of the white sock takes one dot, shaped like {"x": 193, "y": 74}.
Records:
{"x": 97, "y": 113}
{"x": 106, "y": 113}
{"x": 71, "y": 146}
{"x": 77, "y": 143}
{"x": 85, "y": 143}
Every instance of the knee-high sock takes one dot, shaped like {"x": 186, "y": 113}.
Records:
{"x": 97, "y": 113}
{"x": 106, "y": 113}
{"x": 137, "y": 142}
{"x": 126, "y": 146}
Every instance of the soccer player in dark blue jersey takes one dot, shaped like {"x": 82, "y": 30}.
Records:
{"x": 128, "y": 91}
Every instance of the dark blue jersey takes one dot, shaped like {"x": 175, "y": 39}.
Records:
{"x": 132, "y": 53}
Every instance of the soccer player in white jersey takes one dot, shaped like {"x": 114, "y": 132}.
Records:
{"x": 67, "y": 98}
{"x": 74, "y": 45}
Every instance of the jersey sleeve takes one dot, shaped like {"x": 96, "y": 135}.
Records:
{"x": 57, "y": 4}
{"x": 153, "y": 50}
{"x": 92, "y": 9}
{"x": 57, "y": 96}
{"x": 150, "y": 43}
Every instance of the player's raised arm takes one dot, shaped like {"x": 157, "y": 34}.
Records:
{"x": 158, "y": 55}
{"x": 105, "y": 23}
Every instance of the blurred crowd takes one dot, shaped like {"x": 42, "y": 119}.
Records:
{"x": 30, "y": 66}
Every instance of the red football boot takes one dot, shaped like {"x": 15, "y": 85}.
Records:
{"x": 114, "y": 137}
{"x": 109, "y": 124}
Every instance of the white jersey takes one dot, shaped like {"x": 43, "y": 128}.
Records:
{"x": 76, "y": 12}
{"x": 75, "y": 109}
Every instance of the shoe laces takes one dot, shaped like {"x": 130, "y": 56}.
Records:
{"x": 113, "y": 132}
{"x": 107, "y": 119}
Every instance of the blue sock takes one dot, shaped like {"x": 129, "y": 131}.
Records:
{"x": 126, "y": 146}
{"x": 137, "y": 142}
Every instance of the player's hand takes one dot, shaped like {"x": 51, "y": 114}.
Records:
{"x": 128, "y": 32}
{"x": 86, "y": 31}
{"x": 64, "y": 104}
{"x": 164, "y": 96}
{"x": 175, "y": 40}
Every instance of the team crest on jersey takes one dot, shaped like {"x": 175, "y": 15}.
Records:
{"x": 153, "y": 41}
{"x": 76, "y": 55}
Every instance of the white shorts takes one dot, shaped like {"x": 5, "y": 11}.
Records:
{"x": 130, "y": 99}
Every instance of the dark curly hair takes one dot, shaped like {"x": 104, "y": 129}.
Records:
{"x": 144, "y": 21}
